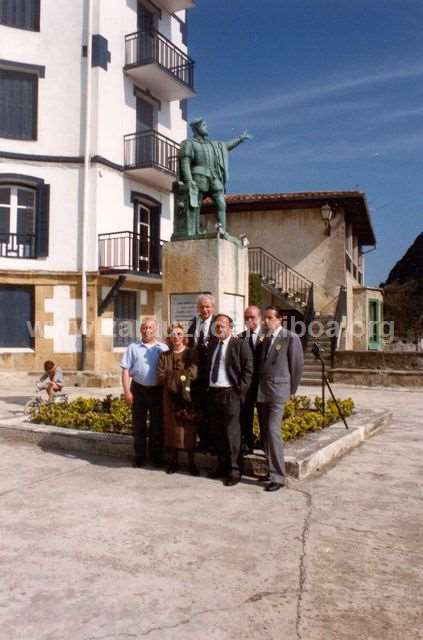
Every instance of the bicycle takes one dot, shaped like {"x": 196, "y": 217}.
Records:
{"x": 37, "y": 401}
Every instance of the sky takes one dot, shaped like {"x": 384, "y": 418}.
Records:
{"x": 332, "y": 91}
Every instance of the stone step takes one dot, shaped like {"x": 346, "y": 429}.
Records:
{"x": 310, "y": 382}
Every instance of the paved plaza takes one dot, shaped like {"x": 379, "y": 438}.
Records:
{"x": 91, "y": 549}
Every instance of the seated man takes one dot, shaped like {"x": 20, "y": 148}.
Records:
{"x": 51, "y": 380}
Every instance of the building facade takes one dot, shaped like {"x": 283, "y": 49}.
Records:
{"x": 307, "y": 256}
{"x": 93, "y": 104}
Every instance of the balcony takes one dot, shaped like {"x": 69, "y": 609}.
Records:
{"x": 175, "y": 5}
{"x": 151, "y": 157}
{"x": 126, "y": 251}
{"x": 17, "y": 245}
{"x": 154, "y": 62}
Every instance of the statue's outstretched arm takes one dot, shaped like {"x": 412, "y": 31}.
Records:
{"x": 231, "y": 144}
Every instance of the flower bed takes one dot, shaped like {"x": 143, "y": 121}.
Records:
{"x": 303, "y": 416}
{"x": 113, "y": 415}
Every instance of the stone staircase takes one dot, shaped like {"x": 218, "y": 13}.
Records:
{"x": 312, "y": 367}
{"x": 290, "y": 287}
{"x": 293, "y": 291}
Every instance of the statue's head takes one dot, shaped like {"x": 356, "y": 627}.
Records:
{"x": 199, "y": 126}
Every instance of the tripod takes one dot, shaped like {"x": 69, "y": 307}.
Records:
{"x": 317, "y": 352}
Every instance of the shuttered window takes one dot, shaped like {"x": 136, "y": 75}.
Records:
{"x": 125, "y": 318}
{"x": 18, "y": 105}
{"x": 24, "y": 220}
{"x": 22, "y": 14}
{"x": 16, "y": 316}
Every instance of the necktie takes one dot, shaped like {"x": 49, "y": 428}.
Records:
{"x": 268, "y": 345}
{"x": 251, "y": 340}
{"x": 216, "y": 363}
{"x": 201, "y": 336}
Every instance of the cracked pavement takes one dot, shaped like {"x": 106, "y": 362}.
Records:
{"x": 91, "y": 549}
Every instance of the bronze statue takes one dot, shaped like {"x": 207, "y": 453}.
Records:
{"x": 203, "y": 171}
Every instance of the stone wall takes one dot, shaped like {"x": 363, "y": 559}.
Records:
{"x": 378, "y": 360}
{"x": 378, "y": 368}
{"x": 57, "y": 321}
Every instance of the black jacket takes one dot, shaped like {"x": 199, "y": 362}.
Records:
{"x": 191, "y": 332}
{"x": 244, "y": 337}
{"x": 239, "y": 363}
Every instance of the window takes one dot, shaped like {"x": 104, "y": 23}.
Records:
{"x": 125, "y": 318}
{"x": 147, "y": 246}
{"x": 24, "y": 217}
{"x": 184, "y": 29}
{"x": 184, "y": 109}
{"x": 22, "y": 14}
{"x": 16, "y": 316}
{"x": 17, "y": 222}
{"x": 18, "y": 105}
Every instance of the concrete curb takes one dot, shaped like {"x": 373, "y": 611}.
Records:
{"x": 303, "y": 457}
{"x": 325, "y": 447}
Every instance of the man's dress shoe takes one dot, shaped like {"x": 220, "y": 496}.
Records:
{"x": 273, "y": 486}
{"x": 231, "y": 481}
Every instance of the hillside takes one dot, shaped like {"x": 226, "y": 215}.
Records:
{"x": 403, "y": 293}
{"x": 410, "y": 266}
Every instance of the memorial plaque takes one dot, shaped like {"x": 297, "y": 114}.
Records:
{"x": 183, "y": 307}
{"x": 234, "y": 306}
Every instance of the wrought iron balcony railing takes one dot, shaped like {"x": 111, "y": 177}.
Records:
{"x": 128, "y": 251}
{"x": 146, "y": 47}
{"x": 150, "y": 149}
{"x": 17, "y": 245}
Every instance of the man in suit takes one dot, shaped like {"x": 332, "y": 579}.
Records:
{"x": 253, "y": 319}
{"x": 200, "y": 329}
{"x": 281, "y": 364}
{"x": 199, "y": 333}
{"x": 230, "y": 369}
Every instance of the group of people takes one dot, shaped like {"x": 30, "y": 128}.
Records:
{"x": 200, "y": 390}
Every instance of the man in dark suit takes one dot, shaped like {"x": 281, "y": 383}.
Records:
{"x": 230, "y": 369}
{"x": 281, "y": 364}
{"x": 253, "y": 319}
{"x": 200, "y": 331}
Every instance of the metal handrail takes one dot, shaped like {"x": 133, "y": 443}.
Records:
{"x": 123, "y": 251}
{"x": 267, "y": 253}
{"x": 283, "y": 278}
{"x": 144, "y": 47}
{"x": 151, "y": 149}
{"x": 17, "y": 245}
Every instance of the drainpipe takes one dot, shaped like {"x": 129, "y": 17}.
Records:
{"x": 86, "y": 187}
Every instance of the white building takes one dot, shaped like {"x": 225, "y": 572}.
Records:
{"x": 93, "y": 97}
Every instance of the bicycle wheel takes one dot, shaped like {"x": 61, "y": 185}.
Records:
{"x": 30, "y": 406}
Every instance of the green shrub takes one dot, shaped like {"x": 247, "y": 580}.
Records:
{"x": 113, "y": 415}
{"x": 302, "y": 416}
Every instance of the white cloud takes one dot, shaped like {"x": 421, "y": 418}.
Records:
{"x": 267, "y": 104}
{"x": 282, "y": 151}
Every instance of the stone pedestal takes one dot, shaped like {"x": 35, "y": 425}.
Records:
{"x": 208, "y": 265}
